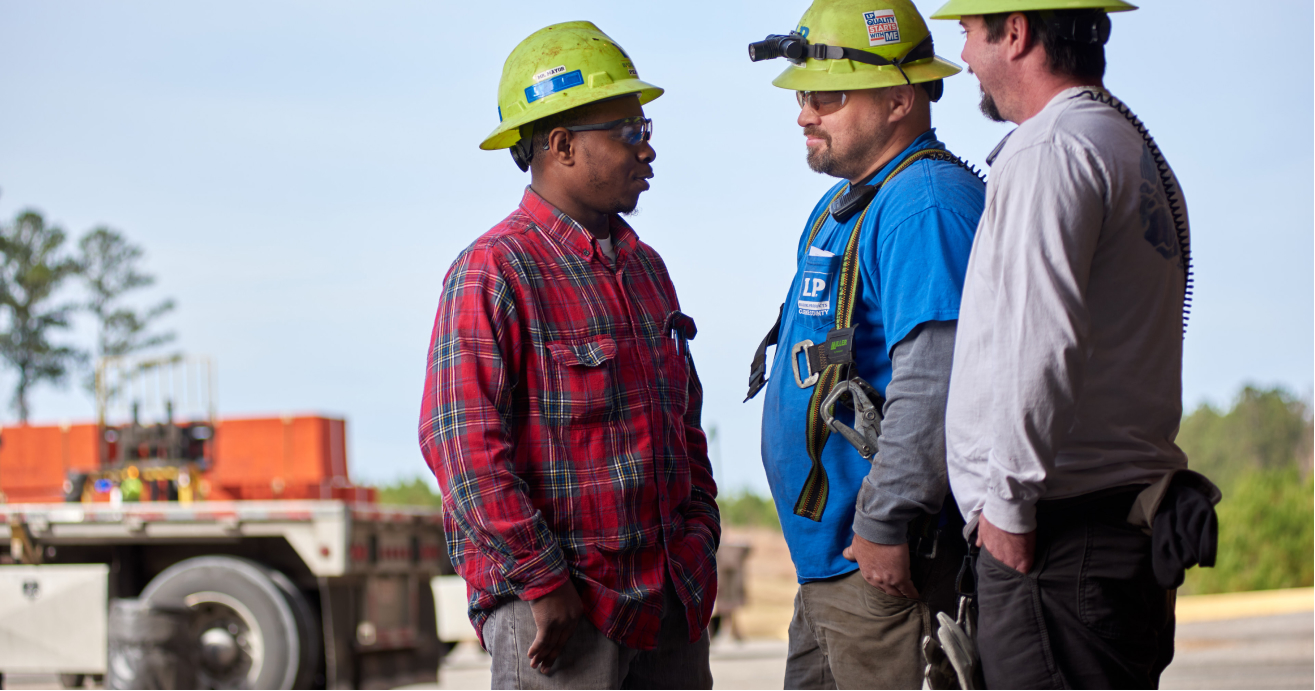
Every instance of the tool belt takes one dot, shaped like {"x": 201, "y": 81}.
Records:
{"x": 828, "y": 366}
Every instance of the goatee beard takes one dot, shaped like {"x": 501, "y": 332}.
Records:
{"x": 823, "y": 159}
{"x": 989, "y": 109}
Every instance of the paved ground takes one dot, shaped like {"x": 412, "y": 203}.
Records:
{"x": 1274, "y": 652}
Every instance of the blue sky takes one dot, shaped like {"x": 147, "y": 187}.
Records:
{"x": 303, "y": 173}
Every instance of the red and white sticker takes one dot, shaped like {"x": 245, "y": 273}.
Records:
{"x": 883, "y": 30}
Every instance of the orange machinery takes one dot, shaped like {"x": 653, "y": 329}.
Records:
{"x": 298, "y": 457}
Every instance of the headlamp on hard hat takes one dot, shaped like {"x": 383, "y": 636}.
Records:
{"x": 792, "y": 47}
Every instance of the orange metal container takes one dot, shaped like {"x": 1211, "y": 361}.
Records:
{"x": 301, "y": 457}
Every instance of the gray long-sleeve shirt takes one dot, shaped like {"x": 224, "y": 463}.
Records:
{"x": 908, "y": 475}
{"x": 1068, "y": 367}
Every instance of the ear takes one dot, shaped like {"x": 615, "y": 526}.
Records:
{"x": 902, "y": 99}
{"x": 562, "y": 147}
{"x": 1018, "y": 36}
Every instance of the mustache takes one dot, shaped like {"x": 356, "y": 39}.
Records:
{"x": 817, "y": 132}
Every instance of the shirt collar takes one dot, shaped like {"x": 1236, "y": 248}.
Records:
{"x": 565, "y": 230}
{"x": 1066, "y": 94}
{"x": 926, "y": 140}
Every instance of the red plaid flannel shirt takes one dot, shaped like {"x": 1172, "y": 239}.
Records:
{"x": 561, "y": 417}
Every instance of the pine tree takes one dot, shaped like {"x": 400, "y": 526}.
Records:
{"x": 33, "y": 267}
{"x": 109, "y": 270}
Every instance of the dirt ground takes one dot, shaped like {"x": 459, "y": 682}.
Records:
{"x": 770, "y": 583}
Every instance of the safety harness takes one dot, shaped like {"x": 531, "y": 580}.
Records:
{"x": 829, "y": 364}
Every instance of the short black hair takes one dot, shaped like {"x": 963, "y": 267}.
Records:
{"x": 1066, "y": 57}
{"x": 566, "y": 118}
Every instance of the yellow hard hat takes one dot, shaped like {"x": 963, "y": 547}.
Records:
{"x": 856, "y": 44}
{"x": 955, "y": 9}
{"x": 558, "y": 68}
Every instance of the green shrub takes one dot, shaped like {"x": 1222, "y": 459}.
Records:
{"x": 413, "y": 492}
{"x": 747, "y": 509}
{"x": 1265, "y": 429}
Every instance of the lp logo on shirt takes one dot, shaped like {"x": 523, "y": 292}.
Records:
{"x": 814, "y": 300}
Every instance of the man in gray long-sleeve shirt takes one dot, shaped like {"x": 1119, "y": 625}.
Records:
{"x": 874, "y": 299}
{"x": 1067, "y": 386}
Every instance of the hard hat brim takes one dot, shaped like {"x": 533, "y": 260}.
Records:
{"x": 817, "y": 75}
{"x": 955, "y": 9}
{"x": 507, "y": 133}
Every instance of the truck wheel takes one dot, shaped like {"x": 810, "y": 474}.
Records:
{"x": 253, "y": 628}
{"x": 72, "y": 681}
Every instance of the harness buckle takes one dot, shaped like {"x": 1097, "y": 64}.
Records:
{"x": 802, "y": 347}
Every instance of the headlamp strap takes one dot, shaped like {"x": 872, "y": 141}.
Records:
{"x": 922, "y": 51}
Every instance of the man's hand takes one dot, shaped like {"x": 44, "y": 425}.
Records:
{"x": 1011, "y": 549}
{"x": 884, "y": 566}
{"x": 555, "y": 616}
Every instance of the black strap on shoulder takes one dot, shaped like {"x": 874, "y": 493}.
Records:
{"x": 758, "y": 368}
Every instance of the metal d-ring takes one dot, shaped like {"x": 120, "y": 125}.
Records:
{"x": 801, "y": 347}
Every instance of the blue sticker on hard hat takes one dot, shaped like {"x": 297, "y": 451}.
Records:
{"x": 882, "y": 27}
{"x": 561, "y": 82}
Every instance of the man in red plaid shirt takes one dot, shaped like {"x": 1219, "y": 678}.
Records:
{"x": 561, "y": 407}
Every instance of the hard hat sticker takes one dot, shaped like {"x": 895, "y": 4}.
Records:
{"x": 546, "y": 74}
{"x": 548, "y": 87}
{"x": 883, "y": 30}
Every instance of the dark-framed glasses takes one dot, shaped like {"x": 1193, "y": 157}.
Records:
{"x": 631, "y": 130}
{"x": 822, "y": 102}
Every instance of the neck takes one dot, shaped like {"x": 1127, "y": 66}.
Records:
{"x": 1041, "y": 90}
{"x": 598, "y": 223}
{"x": 900, "y": 141}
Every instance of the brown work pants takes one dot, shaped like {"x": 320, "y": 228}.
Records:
{"x": 848, "y": 634}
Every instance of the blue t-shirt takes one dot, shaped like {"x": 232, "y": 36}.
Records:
{"x": 913, "y": 252}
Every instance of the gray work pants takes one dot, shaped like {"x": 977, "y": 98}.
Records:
{"x": 1088, "y": 615}
{"x": 591, "y": 660}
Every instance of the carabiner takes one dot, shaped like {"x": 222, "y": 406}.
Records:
{"x": 867, "y": 416}
{"x": 802, "y": 347}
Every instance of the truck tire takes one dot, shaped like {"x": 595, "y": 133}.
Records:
{"x": 254, "y": 628}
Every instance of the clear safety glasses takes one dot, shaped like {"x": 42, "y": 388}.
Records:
{"x": 822, "y": 102}
{"x": 631, "y": 130}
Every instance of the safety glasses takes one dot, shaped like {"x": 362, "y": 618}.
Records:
{"x": 822, "y": 102}
{"x": 631, "y": 130}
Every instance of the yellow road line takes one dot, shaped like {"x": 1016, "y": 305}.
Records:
{"x": 1258, "y": 603}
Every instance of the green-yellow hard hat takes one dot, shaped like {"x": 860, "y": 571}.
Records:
{"x": 955, "y": 9}
{"x": 889, "y": 29}
{"x": 556, "y": 69}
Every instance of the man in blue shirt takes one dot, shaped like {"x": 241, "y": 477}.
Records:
{"x": 876, "y": 544}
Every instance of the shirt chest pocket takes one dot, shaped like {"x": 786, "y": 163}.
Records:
{"x": 581, "y": 384}
{"x": 815, "y": 300}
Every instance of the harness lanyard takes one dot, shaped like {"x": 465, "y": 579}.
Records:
{"x": 813, "y": 496}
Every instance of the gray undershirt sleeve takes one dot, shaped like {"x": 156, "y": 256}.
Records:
{"x": 908, "y": 473}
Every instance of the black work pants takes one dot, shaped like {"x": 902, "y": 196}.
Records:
{"x": 1089, "y": 615}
